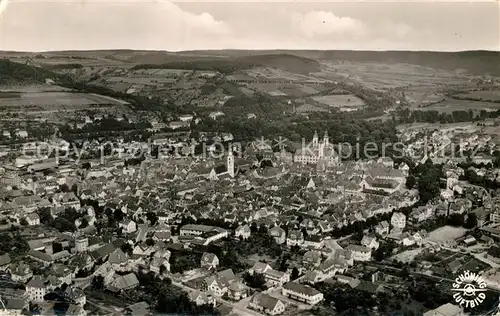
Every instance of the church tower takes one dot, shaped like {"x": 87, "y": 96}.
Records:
{"x": 315, "y": 139}
{"x": 326, "y": 140}
{"x": 230, "y": 162}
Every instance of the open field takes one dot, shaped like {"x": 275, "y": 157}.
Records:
{"x": 58, "y": 99}
{"x": 407, "y": 256}
{"x": 423, "y": 98}
{"x": 487, "y": 96}
{"x": 385, "y": 75}
{"x": 449, "y": 105}
{"x": 344, "y": 102}
{"x": 446, "y": 234}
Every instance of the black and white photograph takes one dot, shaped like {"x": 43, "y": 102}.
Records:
{"x": 250, "y": 157}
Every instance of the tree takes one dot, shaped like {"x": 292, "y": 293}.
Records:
{"x": 127, "y": 248}
{"x": 152, "y": 218}
{"x": 57, "y": 247}
{"x": 295, "y": 273}
{"x": 98, "y": 282}
{"x": 410, "y": 182}
{"x": 471, "y": 221}
{"x": 256, "y": 281}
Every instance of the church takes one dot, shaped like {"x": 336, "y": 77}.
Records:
{"x": 317, "y": 152}
{"x": 224, "y": 171}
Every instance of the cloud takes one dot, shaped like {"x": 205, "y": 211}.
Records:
{"x": 140, "y": 24}
{"x": 323, "y": 23}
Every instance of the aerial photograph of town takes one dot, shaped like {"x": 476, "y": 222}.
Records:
{"x": 249, "y": 158}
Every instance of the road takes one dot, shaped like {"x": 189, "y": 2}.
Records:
{"x": 101, "y": 306}
{"x": 239, "y": 307}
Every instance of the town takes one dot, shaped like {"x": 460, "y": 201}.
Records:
{"x": 251, "y": 231}
{"x": 169, "y": 180}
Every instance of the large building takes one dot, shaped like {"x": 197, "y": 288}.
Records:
{"x": 302, "y": 293}
{"x": 317, "y": 152}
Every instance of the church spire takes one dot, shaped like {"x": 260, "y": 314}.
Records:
{"x": 315, "y": 139}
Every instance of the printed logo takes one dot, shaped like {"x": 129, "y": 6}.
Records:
{"x": 469, "y": 288}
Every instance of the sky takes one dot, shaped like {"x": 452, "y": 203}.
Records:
{"x": 44, "y": 25}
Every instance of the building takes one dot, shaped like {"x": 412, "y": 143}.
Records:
{"x": 209, "y": 261}
{"x": 267, "y": 304}
{"x": 302, "y": 293}
{"x": 128, "y": 226}
{"x": 20, "y": 272}
{"x": 275, "y": 277}
{"x": 278, "y": 234}
{"x": 243, "y": 232}
{"x": 14, "y": 307}
{"x": 124, "y": 282}
{"x": 382, "y": 228}
{"x": 36, "y": 289}
{"x": 360, "y": 253}
{"x": 294, "y": 238}
{"x": 398, "y": 220}
{"x": 33, "y": 219}
{"x": 221, "y": 171}
{"x": 446, "y": 310}
{"x": 316, "y": 152}
{"x": 210, "y": 233}
{"x": 81, "y": 244}
{"x": 370, "y": 242}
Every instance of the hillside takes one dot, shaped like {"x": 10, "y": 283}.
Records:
{"x": 286, "y": 62}
{"x": 474, "y": 62}
{"x": 17, "y": 73}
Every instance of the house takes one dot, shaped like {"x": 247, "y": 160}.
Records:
{"x": 237, "y": 290}
{"x": 217, "y": 285}
{"x": 4, "y": 262}
{"x": 210, "y": 233}
{"x": 33, "y": 219}
{"x": 128, "y": 226}
{"x": 209, "y": 261}
{"x": 302, "y": 293}
{"x": 202, "y": 299}
{"x": 275, "y": 277}
{"x": 294, "y": 238}
{"x": 422, "y": 213}
{"x": 259, "y": 268}
{"x": 370, "y": 242}
{"x": 382, "y": 228}
{"x": 157, "y": 263}
{"x": 267, "y": 304}
{"x": 20, "y": 272}
{"x": 76, "y": 295}
{"x": 15, "y": 306}
{"x": 216, "y": 115}
{"x": 124, "y": 282}
{"x": 36, "y": 289}
{"x": 243, "y": 232}
{"x": 22, "y": 133}
{"x": 398, "y": 220}
{"x": 278, "y": 234}
{"x": 311, "y": 259}
{"x": 360, "y": 253}
{"x": 186, "y": 118}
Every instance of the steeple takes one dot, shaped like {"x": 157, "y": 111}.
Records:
{"x": 230, "y": 162}
{"x": 326, "y": 140}
{"x": 315, "y": 139}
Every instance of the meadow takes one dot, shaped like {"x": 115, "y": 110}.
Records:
{"x": 341, "y": 101}
{"x": 486, "y": 96}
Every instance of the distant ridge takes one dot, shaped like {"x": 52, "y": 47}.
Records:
{"x": 478, "y": 62}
